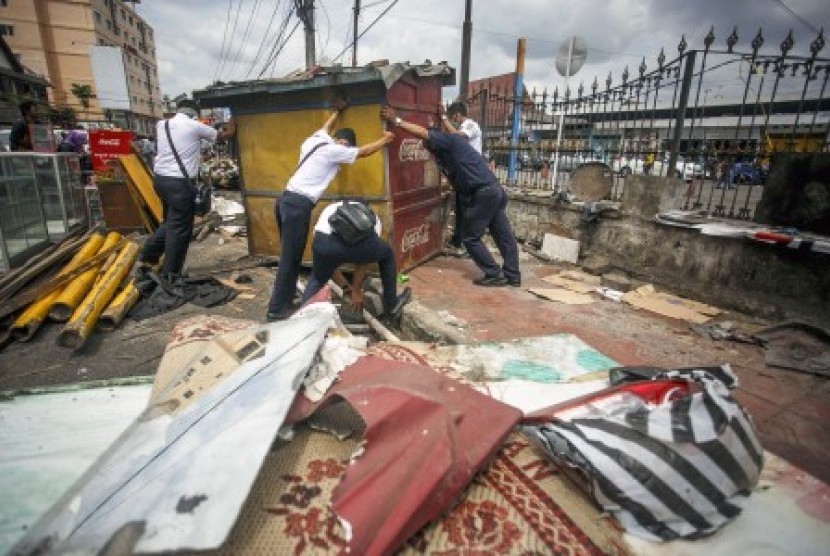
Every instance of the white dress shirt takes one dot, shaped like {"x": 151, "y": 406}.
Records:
{"x": 187, "y": 137}
{"x": 313, "y": 177}
{"x": 323, "y": 225}
{"x": 473, "y": 133}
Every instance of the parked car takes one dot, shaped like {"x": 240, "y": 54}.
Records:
{"x": 525, "y": 160}
{"x": 746, "y": 172}
{"x": 571, "y": 161}
{"x": 625, "y": 166}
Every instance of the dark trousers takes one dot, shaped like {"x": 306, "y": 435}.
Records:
{"x": 172, "y": 237}
{"x": 293, "y": 212}
{"x": 330, "y": 252}
{"x": 483, "y": 211}
{"x": 457, "y": 228}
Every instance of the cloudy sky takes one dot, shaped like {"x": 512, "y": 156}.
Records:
{"x": 199, "y": 41}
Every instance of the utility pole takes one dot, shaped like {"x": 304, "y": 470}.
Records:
{"x": 467, "y": 36}
{"x": 305, "y": 11}
{"x": 354, "y": 33}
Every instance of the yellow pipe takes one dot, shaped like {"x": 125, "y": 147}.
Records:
{"x": 75, "y": 290}
{"x": 120, "y": 306}
{"x": 83, "y": 320}
{"x": 25, "y": 326}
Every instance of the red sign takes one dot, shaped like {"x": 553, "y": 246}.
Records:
{"x": 106, "y": 145}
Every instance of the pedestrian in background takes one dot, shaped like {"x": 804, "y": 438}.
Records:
{"x": 320, "y": 158}
{"x": 483, "y": 200}
{"x": 330, "y": 251}
{"x": 174, "y": 182}
{"x": 20, "y": 137}
{"x": 456, "y": 121}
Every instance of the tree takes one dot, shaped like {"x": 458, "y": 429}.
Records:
{"x": 83, "y": 93}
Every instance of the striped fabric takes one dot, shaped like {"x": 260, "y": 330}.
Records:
{"x": 679, "y": 469}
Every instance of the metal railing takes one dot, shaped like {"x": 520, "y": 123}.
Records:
{"x": 712, "y": 117}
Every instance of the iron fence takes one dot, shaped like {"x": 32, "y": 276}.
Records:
{"x": 712, "y": 117}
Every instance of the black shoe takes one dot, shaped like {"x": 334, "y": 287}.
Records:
{"x": 515, "y": 282}
{"x": 279, "y": 315}
{"x": 493, "y": 281}
{"x": 404, "y": 298}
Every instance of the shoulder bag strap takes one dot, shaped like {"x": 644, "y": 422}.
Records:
{"x": 173, "y": 148}
{"x": 309, "y": 153}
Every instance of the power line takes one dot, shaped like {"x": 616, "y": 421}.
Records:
{"x": 233, "y": 30}
{"x": 277, "y": 47}
{"x": 224, "y": 36}
{"x": 274, "y": 59}
{"x": 245, "y": 34}
{"x": 261, "y": 48}
{"x": 355, "y": 39}
{"x": 795, "y": 15}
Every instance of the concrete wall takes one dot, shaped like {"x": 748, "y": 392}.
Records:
{"x": 734, "y": 274}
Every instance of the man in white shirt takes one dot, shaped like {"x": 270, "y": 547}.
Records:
{"x": 330, "y": 251}
{"x": 320, "y": 158}
{"x": 175, "y": 189}
{"x": 456, "y": 121}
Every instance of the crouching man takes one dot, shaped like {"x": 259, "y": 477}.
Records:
{"x": 329, "y": 251}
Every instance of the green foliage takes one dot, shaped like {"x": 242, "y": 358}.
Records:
{"x": 83, "y": 93}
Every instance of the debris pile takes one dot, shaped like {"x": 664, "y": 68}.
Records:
{"x": 221, "y": 172}
{"x": 95, "y": 283}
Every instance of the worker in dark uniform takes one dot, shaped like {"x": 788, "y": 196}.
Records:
{"x": 483, "y": 200}
{"x": 320, "y": 158}
{"x": 330, "y": 251}
{"x": 20, "y": 138}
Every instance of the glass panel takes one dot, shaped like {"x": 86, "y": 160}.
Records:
{"x": 21, "y": 214}
{"x": 72, "y": 189}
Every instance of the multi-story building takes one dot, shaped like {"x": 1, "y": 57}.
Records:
{"x": 101, "y": 46}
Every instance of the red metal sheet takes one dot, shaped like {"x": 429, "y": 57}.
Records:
{"x": 426, "y": 436}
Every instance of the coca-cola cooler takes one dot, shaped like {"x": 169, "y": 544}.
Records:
{"x": 401, "y": 183}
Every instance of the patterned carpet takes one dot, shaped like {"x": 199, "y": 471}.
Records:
{"x": 520, "y": 504}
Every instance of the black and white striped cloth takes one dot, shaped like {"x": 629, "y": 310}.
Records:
{"x": 679, "y": 469}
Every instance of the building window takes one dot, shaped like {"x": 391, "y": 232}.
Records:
{"x": 102, "y": 42}
{"x": 98, "y": 17}
{"x": 131, "y": 20}
{"x": 4, "y": 3}
{"x": 109, "y": 24}
{"x": 123, "y": 14}
{"x": 6, "y": 30}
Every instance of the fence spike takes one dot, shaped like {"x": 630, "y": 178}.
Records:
{"x": 732, "y": 39}
{"x": 594, "y": 85}
{"x": 758, "y": 41}
{"x": 787, "y": 43}
{"x": 608, "y": 82}
{"x": 625, "y": 75}
{"x": 818, "y": 44}
{"x": 643, "y": 67}
{"x": 709, "y": 38}
{"x": 681, "y": 46}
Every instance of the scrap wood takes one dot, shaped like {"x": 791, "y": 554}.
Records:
{"x": 36, "y": 266}
{"x": 250, "y": 261}
{"x": 138, "y": 177}
{"x": 54, "y": 251}
{"x": 646, "y": 297}
{"x": 563, "y": 295}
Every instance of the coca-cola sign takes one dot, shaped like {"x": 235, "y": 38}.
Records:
{"x": 413, "y": 237}
{"x": 412, "y": 150}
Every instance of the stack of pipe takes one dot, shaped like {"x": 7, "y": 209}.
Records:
{"x": 96, "y": 283}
